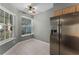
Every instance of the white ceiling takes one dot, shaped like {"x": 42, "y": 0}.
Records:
{"x": 41, "y": 7}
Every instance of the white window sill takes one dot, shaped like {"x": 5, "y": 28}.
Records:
{"x": 5, "y": 41}
{"x": 26, "y": 35}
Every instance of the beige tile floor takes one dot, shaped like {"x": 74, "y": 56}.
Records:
{"x": 29, "y": 47}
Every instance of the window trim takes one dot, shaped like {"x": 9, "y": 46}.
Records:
{"x": 14, "y": 15}
{"x": 31, "y": 25}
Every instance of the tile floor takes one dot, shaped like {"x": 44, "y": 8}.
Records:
{"x": 29, "y": 47}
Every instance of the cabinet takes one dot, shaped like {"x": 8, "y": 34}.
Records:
{"x": 58, "y": 13}
{"x": 67, "y": 10}
{"x": 71, "y": 9}
{"x": 77, "y": 8}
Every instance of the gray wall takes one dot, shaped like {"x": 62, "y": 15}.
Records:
{"x": 17, "y": 27}
{"x": 42, "y": 25}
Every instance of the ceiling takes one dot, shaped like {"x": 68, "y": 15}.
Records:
{"x": 41, "y": 7}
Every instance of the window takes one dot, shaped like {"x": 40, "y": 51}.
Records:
{"x": 1, "y": 24}
{"x": 26, "y": 26}
{"x": 6, "y": 25}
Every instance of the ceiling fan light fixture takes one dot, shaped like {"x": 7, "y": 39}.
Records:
{"x": 35, "y": 7}
{"x": 31, "y": 9}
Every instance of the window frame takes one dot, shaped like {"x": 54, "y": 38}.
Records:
{"x": 23, "y": 35}
{"x": 13, "y": 15}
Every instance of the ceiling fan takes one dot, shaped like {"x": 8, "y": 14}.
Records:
{"x": 31, "y": 9}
